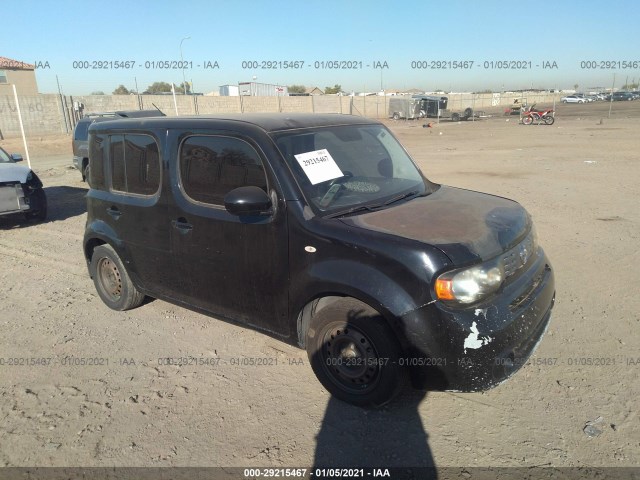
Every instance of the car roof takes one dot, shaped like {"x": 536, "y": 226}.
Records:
{"x": 122, "y": 114}
{"x": 269, "y": 122}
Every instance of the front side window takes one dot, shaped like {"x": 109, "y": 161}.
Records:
{"x": 212, "y": 166}
{"x": 135, "y": 164}
{"x": 347, "y": 167}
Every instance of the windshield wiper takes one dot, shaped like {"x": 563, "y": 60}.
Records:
{"x": 359, "y": 208}
{"x": 400, "y": 197}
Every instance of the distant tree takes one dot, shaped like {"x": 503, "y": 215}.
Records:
{"x": 180, "y": 88}
{"x": 630, "y": 86}
{"x": 575, "y": 86}
{"x": 158, "y": 87}
{"x": 333, "y": 90}
{"x": 121, "y": 90}
{"x": 97, "y": 92}
{"x": 297, "y": 88}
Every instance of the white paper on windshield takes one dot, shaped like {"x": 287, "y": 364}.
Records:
{"x": 319, "y": 166}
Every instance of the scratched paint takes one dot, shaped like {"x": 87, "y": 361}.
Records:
{"x": 473, "y": 340}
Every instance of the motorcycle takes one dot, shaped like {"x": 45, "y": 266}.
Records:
{"x": 539, "y": 116}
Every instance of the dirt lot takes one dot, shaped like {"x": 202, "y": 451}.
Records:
{"x": 578, "y": 178}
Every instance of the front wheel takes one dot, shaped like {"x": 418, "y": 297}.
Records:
{"x": 527, "y": 120}
{"x": 396, "y": 116}
{"x": 113, "y": 284}
{"x": 548, "y": 119}
{"x": 39, "y": 200}
{"x": 355, "y": 354}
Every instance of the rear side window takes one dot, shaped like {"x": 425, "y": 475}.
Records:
{"x": 82, "y": 130}
{"x": 212, "y": 166}
{"x": 96, "y": 162}
{"x": 135, "y": 164}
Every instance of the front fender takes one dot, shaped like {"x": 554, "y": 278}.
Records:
{"x": 363, "y": 282}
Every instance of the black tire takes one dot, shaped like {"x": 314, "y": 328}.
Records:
{"x": 548, "y": 119}
{"x": 396, "y": 116}
{"x": 564, "y": 101}
{"x": 455, "y": 117}
{"x": 527, "y": 120}
{"x": 85, "y": 170}
{"x": 355, "y": 354}
{"x": 40, "y": 199}
{"x": 468, "y": 112}
{"x": 113, "y": 284}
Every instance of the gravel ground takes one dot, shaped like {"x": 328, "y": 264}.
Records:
{"x": 575, "y": 404}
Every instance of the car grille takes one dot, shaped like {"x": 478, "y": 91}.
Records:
{"x": 518, "y": 256}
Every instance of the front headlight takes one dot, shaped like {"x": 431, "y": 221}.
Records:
{"x": 471, "y": 284}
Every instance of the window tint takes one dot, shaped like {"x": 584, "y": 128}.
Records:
{"x": 212, "y": 166}
{"x": 96, "y": 162}
{"x": 82, "y": 130}
{"x": 135, "y": 164}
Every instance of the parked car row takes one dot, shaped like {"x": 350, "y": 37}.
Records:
{"x": 617, "y": 96}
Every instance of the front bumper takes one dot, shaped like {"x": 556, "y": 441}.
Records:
{"x": 16, "y": 198}
{"x": 474, "y": 349}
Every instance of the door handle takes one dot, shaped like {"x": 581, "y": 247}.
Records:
{"x": 114, "y": 212}
{"x": 182, "y": 225}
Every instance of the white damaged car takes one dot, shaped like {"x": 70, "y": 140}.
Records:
{"x": 21, "y": 190}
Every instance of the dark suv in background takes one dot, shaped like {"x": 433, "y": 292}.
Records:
{"x": 80, "y": 141}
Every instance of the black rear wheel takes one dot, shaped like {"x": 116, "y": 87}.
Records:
{"x": 355, "y": 354}
{"x": 112, "y": 282}
{"x": 548, "y": 119}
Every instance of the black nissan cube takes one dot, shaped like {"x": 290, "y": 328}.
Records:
{"x": 321, "y": 231}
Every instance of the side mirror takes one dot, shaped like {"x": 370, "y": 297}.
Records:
{"x": 247, "y": 201}
{"x": 16, "y": 157}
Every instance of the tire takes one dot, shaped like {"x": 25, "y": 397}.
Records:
{"x": 455, "y": 117}
{"x": 527, "y": 120}
{"x": 468, "y": 112}
{"x": 85, "y": 170}
{"x": 355, "y": 354}
{"x": 41, "y": 200}
{"x": 112, "y": 282}
{"x": 564, "y": 101}
{"x": 396, "y": 116}
{"x": 548, "y": 119}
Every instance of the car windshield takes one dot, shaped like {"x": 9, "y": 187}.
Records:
{"x": 4, "y": 157}
{"x": 343, "y": 169}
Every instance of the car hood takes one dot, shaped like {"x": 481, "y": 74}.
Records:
{"x": 465, "y": 225}
{"x": 10, "y": 172}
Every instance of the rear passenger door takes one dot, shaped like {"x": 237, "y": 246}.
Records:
{"x": 136, "y": 209}
{"x": 233, "y": 266}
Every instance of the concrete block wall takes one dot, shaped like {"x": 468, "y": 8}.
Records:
{"x": 52, "y": 113}
{"x": 41, "y": 114}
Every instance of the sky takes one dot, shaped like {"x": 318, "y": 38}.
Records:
{"x": 450, "y": 46}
